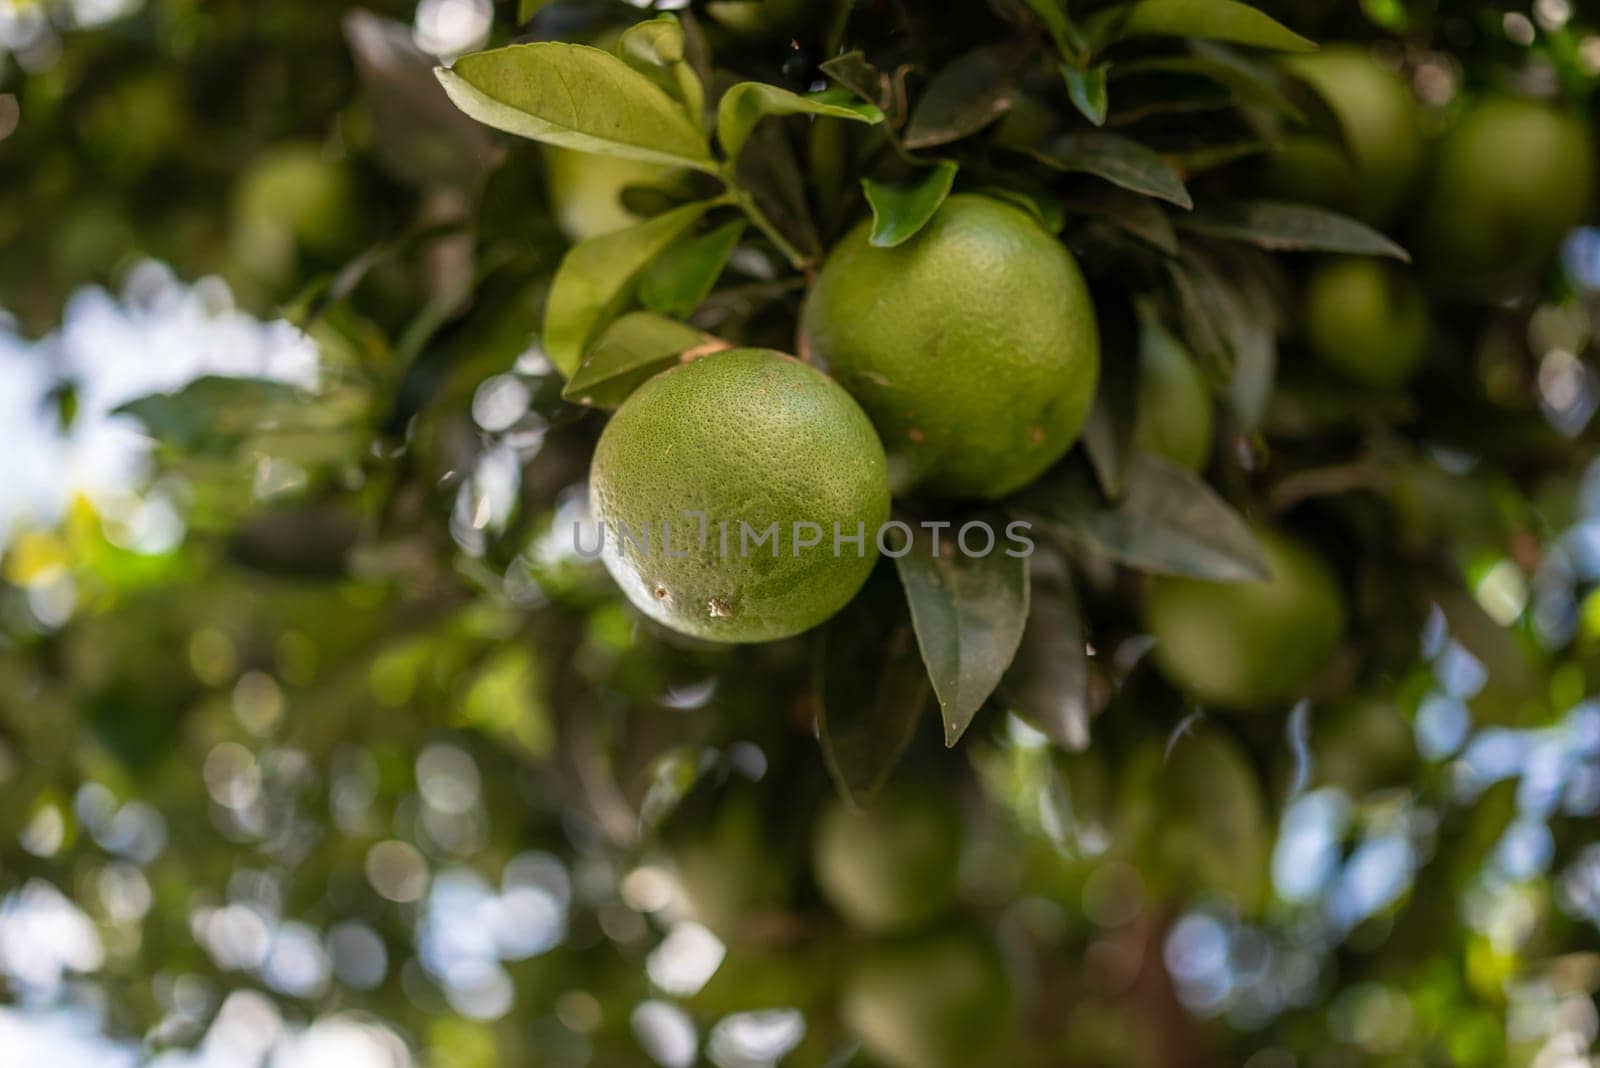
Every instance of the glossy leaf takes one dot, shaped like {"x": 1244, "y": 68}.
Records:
{"x": 633, "y": 349}
{"x": 967, "y": 95}
{"x": 899, "y": 211}
{"x": 1108, "y": 435}
{"x": 1285, "y": 227}
{"x": 1168, "y": 521}
{"x": 596, "y": 277}
{"x": 1118, "y": 160}
{"x": 1086, "y": 87}
{"x": 576, "y": 97}
{"x": 747, "y": 103}
{"x": 681, "y": 277}
{"x": 871, "y": 686}
{"x": 1217, "y": 20}
{"x": 1245, "y": 81}
{"x": 969, "y": 614}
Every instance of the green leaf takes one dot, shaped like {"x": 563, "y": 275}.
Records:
{"x": 855, "y": 73}
{"x": 1054, "y": 16}
{"x": 1118, "y": 160}
{"x": 1285, "y": 227}
{"x": 1133, "y": 214}
{"x": 1217, "y": 20}
{"x": 526, "y": 9}
{"x": 899, "y": 211}
{"x": 215, "y": 415}
{"x": 1108, "y": 435}
{"x": 1036, "y": 201}
{"x": 871, "y": 687}
{"x": 964, "y": 97}
{"x": 10, "y": 115}
{"x": 1048, "y": 684}
{"x": 681, "y": 277}
{"x": 1245, "y": 81}
{"x": 576, "y": 97}
{"x": 596, "y": 277}
{"x": 656, "y": 49}
{"x": 1167, "y": 521}
{"x": 633, "y": 349}
{"x": 747, "y": 103}
{"x": 969, "y": 613}
{"x": 1087, "y": 89}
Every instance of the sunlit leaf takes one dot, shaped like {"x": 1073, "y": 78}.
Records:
{"x": 633, "y": 349}
{"x": 747, "y": 103}
{"x": 681, "y": 277}
{"x": 900, "y": 210}
{"x": 596, "y": 277}
{"x": 655, "y": 48}
{"x": 576, "y": 97}
{"x": 969, "y": 613}
{"x": 1218, "y": 20}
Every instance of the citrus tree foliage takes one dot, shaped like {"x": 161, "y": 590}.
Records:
{"x": 312, "y": 722}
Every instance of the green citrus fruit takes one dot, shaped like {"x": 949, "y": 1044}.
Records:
{"x": 586, "y": 190}
{"x": 1378, "y": 164}
{"x": 1174, "y": 407}
{"x": 973, "y": 346}
{"x": 940, "y": 1000}
{"x": 1511, "y": 179}
{"x": 295, "y": 188}
{"x": 728, "y": 868}
{"x": 893, "y": 864}
{"x": 775, "y": 455}
{"x": 1245, "y": 644}
{"x": 1367, "y": 319}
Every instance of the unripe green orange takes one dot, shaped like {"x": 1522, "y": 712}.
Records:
{"x": 972, "y": 346}
{"x": 1512, "y": 178}
{"x": 891, "y": 865}
{"x": 1367, "y": 319}
{"x": 931, "y": 1001}
{"x": 1245, "y": 644}
{"x": 586, "y": 190}
{"x": 1173, "y": 416}
{"x": 1379, "y": 118}
{"x": 757, "y": 442}
{"x": 729, "y": 869}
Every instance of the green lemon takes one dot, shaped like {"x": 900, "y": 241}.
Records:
{"x": 1245, "y": 644}
{"x": 931, "y": 1001}
{"x": 893, "y": 864}
{"x": 1379, "y": 118}
{"x": 783, "y": 465}
{"x": 586, "y": 190}
{"x": 1511, "y": 179}
{"x": 1367, "y": 319}
{"x": 973, "y": 346}
{"x": 1174, "y": 407}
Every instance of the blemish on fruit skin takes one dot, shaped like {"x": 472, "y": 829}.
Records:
{"x": 916, "y": 435}
{"x": 719, "y": 608}
{"x": 1035, "y": 434}
{"x": 659, "y": 592}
